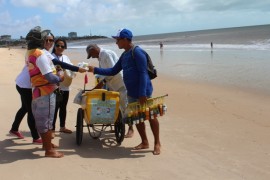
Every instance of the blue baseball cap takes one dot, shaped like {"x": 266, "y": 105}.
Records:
{"x": 123, "y": 33}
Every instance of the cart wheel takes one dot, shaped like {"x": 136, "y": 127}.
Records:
{"x": 96, "y": 131}
{"x": 79, "y": 126}
{"x": 119, "y": 127}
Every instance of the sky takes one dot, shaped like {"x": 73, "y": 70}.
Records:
{"x": 142, "y": 17}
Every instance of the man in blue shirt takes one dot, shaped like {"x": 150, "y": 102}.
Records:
{"x": 137, "y": 82}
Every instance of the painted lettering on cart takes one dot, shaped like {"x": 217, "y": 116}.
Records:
{"x": 102, "y": 112}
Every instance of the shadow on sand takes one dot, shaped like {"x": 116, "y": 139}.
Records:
{"x": 105, "y": 147}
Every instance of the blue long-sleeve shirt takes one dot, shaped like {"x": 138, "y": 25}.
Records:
{"x": 135, "y": 74}
{"x": 65, "y": 65}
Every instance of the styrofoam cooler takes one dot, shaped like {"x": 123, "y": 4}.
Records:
{"x": 100, "y": 106}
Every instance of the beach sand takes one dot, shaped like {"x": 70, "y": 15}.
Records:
{"x": 209, "y": 132}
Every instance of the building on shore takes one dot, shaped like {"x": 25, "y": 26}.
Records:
{"x": 5, "y": 37}
{"x": 72, "y": 34}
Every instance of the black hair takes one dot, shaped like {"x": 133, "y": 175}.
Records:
{"x": 50, "y": 34}
{"x": 35, "y": 38}
{"x": 56, "y": 41}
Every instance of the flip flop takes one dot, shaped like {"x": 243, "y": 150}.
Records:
{"x": 65, "y": 130}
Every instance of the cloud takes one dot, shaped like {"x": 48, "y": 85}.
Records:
{"x": 221, "y": 5}
{"x": 10, "y": 26}
{"x": 82, "y": 12}
{"x": 153, "y": 16}
{"x": 50, "y": 6}
{"x": 113, "y": 14}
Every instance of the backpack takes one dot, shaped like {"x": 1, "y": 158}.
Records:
{"x": 152, "y": 72}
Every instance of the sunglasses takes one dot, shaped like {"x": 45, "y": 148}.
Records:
{"x": 59, "y": 46}
{"x": 49, "y": 40}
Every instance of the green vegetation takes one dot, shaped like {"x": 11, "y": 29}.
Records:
{"x": 83, "y": 37}
{"x": 23, "y": 44}
{"x": 6, "y": 43}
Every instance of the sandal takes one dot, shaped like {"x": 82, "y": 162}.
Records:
{"x": 65, "y": 130}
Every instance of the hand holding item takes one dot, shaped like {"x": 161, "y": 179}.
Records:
{"x": 82, "y": 70}
{"x": 83, "y": 65}
{"x": 60, "y": 74}
{"x": 58, "y": 68}
{"x": 91, "y": 69}
{"x": 99, "y": 85}
{"x": 142, "y": 100}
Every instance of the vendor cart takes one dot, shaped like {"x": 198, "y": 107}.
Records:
{"x": 99, "y": 110}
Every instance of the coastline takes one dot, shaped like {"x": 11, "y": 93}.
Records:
{"x": 209, "y": 132}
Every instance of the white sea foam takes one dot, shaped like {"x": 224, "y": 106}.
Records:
{"x": 240, "y": 56}
{"x": 195, "y": 47}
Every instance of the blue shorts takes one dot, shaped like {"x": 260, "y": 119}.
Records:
{"x": 132, "y": 100}
{"x": 43, "y": 109}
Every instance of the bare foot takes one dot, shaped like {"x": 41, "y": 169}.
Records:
{"x": 53, "y": 146}
{"x": 53, "y": 134}
{"x": 141, "y": 146}
{"x": 129, "y": 134}
{"x": 156, "y": 150}
{"x": 54, "y": 154}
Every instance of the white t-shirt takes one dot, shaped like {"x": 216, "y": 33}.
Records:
{"x": 108, "y": 59}
{"x": 48, "y": 54}
{"x": 23, "y": 79}
{"x": 65, "y": 59}
{"x": 44, "y": 64}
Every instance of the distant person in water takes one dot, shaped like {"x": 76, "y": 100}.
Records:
{"x": 211, "y": 45}
{"x": 161, "y": 45}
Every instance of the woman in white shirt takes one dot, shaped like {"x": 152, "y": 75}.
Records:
{"x": 24, "y": 88}
{"x": 61, "y": 105}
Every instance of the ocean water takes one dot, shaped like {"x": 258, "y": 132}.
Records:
{"x": 240, "y": 56}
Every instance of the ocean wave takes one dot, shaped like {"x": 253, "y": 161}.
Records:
{"x": 262, "y": 45}
{"x": 239, "y": 38}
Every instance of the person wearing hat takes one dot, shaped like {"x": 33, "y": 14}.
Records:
{"x": 107, "y": 59}
{"x": 24, "y": 88}
{"x": 44, "y": 79}
{"x": 137, "y": 82}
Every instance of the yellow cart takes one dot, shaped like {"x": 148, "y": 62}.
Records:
{"x": 99, "y": 110}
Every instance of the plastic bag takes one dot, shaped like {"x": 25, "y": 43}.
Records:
{"x": 78, "y": 97}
